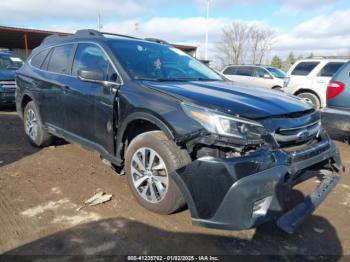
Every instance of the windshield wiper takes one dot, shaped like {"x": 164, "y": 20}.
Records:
{"x": 160, "y": 79}
{"x": 145, "y": 78}
{"x": 182, "y": 79}
{"x": 193, "y": 79}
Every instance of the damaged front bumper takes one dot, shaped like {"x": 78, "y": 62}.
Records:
{"x": 244, "y": 192}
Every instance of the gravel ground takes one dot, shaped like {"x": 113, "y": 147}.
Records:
{"x": 40, "y": 191}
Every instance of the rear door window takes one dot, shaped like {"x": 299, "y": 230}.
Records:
{"x": 329, "y": 69}
{"x": 59, "y": 59}
{"x": 231, "y": 70}
{"x": 304, "y": 68}
{"x": 245, "y": 71}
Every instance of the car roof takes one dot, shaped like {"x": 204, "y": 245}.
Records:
{"x": 6, "y": 53}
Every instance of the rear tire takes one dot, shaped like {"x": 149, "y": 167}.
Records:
{"x": 313, "y": 99}
{"x": 150, "y": 158}
{"x": 33, "y": 127}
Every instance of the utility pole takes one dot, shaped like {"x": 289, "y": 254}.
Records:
{"x": 136, "y": 27}
{"x": 206, "y": 31}
{"x": 99, "y": 25}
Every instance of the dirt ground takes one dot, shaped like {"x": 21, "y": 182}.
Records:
{"x": 40, "y": 191}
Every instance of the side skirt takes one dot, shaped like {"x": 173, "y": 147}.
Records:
{"x": 85, "y": 143}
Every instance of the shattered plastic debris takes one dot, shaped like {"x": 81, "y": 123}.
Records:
{"x": 318, "y": 230}
{"x": 96, "y": 199}
{"x": 106, "y": 162}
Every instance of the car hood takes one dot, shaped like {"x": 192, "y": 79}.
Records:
{"x": 7, "y": 75}
{"x": 233, "y": 98}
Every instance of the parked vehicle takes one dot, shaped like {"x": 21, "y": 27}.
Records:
{"x": 308, "y": 78}
{"x": 182, "y": 133}
{"x": 337, "y": 113}
{"x": 9, "y": 63}
{"x": 257, "y": 75}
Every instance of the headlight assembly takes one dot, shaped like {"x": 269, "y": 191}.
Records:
{"x": 226, "y": 125}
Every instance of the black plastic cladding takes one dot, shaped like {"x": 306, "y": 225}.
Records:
{"x": 220, "y": 193}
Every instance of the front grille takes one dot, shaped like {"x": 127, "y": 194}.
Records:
{"x": 287, "y": 137}
{"x": 11, "y": 84}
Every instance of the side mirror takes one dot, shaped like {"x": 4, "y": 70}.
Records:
{"x": 267, "y": 76}
{"x": 91, "y": 75}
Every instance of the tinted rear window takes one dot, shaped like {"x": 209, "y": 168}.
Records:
{"x": 330, "y": 69}
{"x": 38, "y": 59}
{"x": 245, "y": 71}
{"x": 231, "y": 70}
{"x": 304, "y": 68}
{"x": 59, "y": 59}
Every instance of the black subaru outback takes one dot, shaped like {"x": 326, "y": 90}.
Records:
{"x": 182, "y": 133}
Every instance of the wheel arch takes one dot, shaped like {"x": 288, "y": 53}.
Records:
{"x": 306, "y": 90}
{"x": 276, "y": 87}
{"x": 26, "y": 98}
{"x": 136, "y": 124}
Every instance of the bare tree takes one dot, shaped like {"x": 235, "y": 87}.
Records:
{"x": 261, "y": 40}
{"x": 243, "y": 42}
{"x": 231, "y": 49}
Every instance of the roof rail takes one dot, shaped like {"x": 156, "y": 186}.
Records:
{"x": 82, "y": 33}
{"x": 88, "y": 32}
{"x": 121, "y": 35}
{"x": 156, "y": 40}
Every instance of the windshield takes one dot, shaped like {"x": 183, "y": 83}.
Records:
{"x": 10, "y": 62}
{"x": 156, "y": 62}
{"x": 276, "y": 72}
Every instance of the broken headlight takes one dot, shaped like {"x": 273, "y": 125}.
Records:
{"x": 226, "y": 125}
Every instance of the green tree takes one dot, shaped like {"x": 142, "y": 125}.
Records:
{"x": 276, "y": 62}
{"x": 289, "y": 62}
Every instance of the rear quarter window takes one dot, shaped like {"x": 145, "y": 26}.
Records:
{"x": 330, "y": 69}
{"x": 304, "y": 68}
{"x": 39, "y": 58}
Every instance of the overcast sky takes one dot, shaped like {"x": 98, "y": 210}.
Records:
{"x": 302, "y": 26}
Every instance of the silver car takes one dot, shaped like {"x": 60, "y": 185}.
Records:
{"x": 257, "y": 75}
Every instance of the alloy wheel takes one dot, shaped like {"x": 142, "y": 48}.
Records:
{"x": 149, "y": 174}
{"x": 31, "y": 124}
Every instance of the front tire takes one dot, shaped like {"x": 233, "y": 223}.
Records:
{"x": 150, "y": 158}
{"x": 33, "y": 127}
